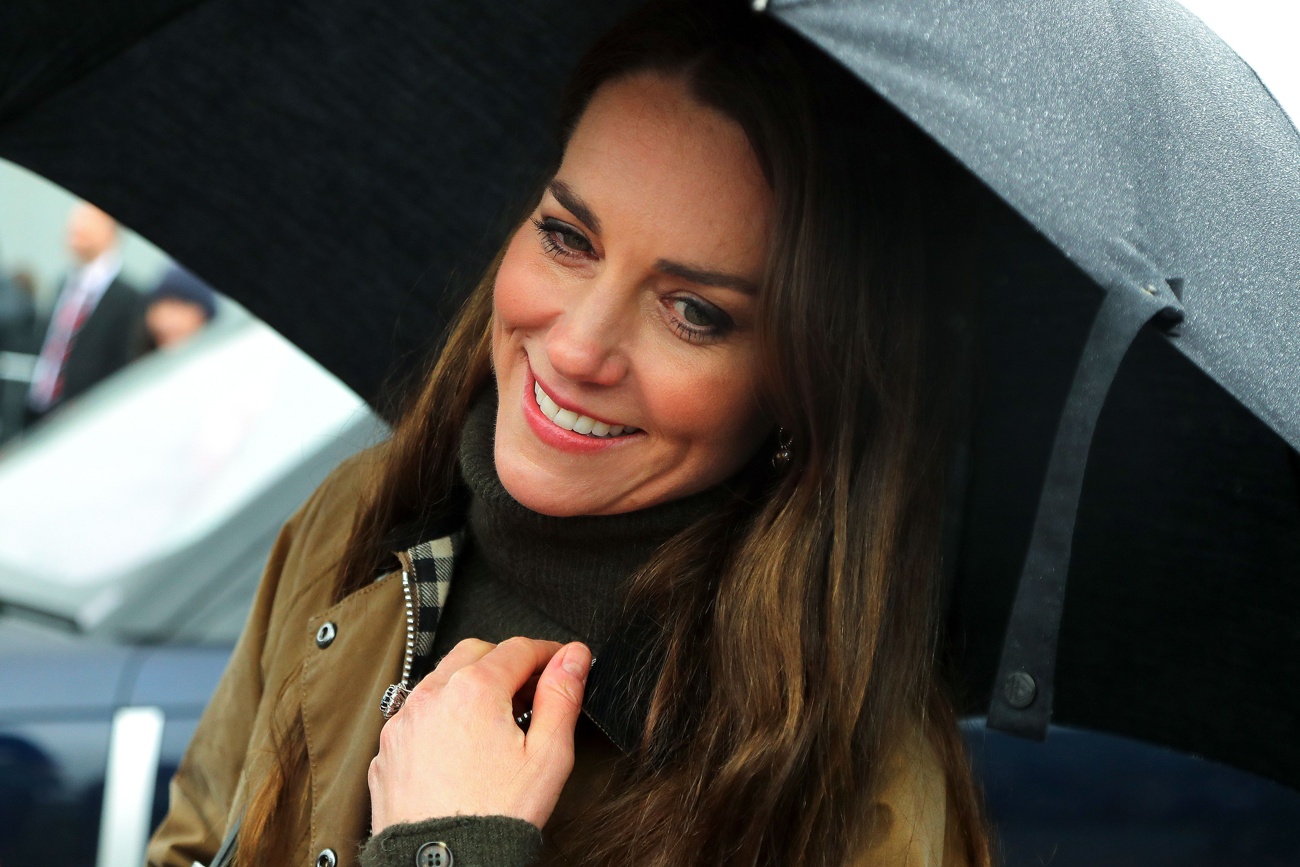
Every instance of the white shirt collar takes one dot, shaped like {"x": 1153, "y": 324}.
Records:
{"x": 93, "y": 278}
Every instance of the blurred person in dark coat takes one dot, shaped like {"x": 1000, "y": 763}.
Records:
{"x": 17, "y": 315}
{"x": 178, "y": 308}
{"x": 17, "y": 333}
{"x": 96, "y": 326}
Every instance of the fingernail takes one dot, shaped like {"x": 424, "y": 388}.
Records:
{"x": 574, "y": 664}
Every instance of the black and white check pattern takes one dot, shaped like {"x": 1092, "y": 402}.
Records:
{"x": 432, "y": 564}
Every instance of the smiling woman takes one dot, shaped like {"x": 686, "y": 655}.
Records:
{"x": 695, "y": 419}
{"x": 598, "y": 322}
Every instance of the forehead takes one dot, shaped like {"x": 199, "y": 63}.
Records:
{"x": 646, "y": 150}
{"x": 89, "y": 216}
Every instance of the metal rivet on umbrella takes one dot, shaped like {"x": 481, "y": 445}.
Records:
{"x": 1019, "y": 690}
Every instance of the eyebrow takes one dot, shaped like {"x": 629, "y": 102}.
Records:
{"x": 574, "y": 204}
{"x": 705, "y": 277}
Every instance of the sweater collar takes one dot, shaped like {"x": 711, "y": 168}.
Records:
{"x": 575, "y": 570}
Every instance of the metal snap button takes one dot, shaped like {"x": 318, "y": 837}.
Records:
{"x": 433, "y": 855}
{"x": 326, "y": 858}
{"x": 324, "y": 638}
{"x": 1019, "y": 690}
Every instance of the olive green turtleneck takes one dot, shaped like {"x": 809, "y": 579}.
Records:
{"x": 524, "y": 573}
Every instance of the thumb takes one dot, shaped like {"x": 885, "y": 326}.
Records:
{"x": 557, "y": 700}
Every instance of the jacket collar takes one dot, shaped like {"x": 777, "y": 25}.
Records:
{"x": 622, "y": 679}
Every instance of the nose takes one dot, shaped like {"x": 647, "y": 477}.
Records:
{"x": 588, "y": 341}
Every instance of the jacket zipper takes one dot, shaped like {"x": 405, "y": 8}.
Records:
{"x": 395, "y": 695}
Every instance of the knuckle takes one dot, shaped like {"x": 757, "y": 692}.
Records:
{"x": 558, "y": 696}
{"x": 473, "y": 686}
{"x": 468, "y": 682}
{"x": 517, "y": 642}
{"x": 387, "y": 735}
{"x": 567, "y": 691}
{"x": 466, "y": 645}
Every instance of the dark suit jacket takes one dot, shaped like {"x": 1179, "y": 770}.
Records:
{"x": 111, "y": 336}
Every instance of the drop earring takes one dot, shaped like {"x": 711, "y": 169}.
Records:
{"x": 781, "y": 457}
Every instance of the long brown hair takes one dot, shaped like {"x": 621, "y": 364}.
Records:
{"x": 801, "y": 626}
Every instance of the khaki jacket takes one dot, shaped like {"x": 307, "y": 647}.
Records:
{"x": 279, "y": 670}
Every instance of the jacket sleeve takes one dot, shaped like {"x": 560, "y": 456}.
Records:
{"x": 207, "y": 783}
{"x": 911, "y": 823}
{"x": 499, "y": 841}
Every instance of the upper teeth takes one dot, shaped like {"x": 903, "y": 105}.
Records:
{"x": 570, "y": 420}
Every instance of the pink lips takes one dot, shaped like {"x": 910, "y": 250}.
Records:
{"x": 557, "y": 437}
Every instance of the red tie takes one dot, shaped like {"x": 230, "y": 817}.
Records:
{"x": 58, "y": 347}
{"x": 78, "y": 317}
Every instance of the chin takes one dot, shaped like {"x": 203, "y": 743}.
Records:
{"x": 535, "y": 490}
{"x": 545, "y": 502}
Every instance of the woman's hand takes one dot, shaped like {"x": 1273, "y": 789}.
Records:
{"x": 454, "y": 747}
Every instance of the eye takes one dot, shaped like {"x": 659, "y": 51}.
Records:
{"x": 560, "y": 239}
{"x": 694, "y": 313}
{"x": 698, "y": 321}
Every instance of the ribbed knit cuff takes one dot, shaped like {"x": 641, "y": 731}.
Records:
{"x": 474, "y": 841}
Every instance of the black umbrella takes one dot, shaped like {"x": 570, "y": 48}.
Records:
{"x": 344, "y": 168}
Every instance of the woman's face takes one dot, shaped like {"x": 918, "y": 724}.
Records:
{"x": 623, "y": 335}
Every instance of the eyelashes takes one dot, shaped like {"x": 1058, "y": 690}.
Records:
{"x": 693, "y": 319}
{"x": 559, "y": 239}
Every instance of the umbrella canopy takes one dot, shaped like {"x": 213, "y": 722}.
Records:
{"x": 345, "y": 169}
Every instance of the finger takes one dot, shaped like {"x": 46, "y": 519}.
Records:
{"x": 465, "y": 653}
{"x": 558, "y": 699}
{"x": 515, "y": 661}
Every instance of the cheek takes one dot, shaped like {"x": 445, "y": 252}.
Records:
{"x": 520, "y": 294}
{"x": 713, "y": 410}
{"x": 511, "y": 310}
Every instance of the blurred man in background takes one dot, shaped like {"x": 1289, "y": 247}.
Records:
{"x": 178, "y": 307}
{"x": 17, "y": 333}
{"x": 96, "y": 325}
